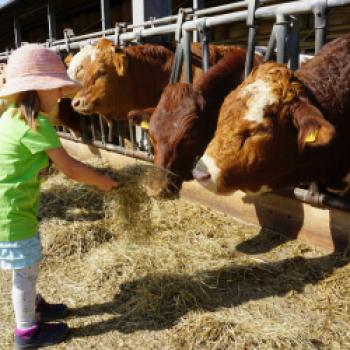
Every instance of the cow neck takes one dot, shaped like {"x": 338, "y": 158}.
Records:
{"x": 216, "y": 84}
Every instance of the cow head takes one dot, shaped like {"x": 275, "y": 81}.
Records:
{"x": 76, "y": 63}
{"x": 104, "y": 77}
{"x": 265, "y": 131}
{"x": 175, "y": 132}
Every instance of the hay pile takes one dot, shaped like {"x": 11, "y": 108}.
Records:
{"x": 146, "y": 273}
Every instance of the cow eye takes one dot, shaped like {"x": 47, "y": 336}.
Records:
{"x": 100, "y": 73}
{"x": 243, "y": 138}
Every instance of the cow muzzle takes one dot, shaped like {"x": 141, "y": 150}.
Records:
{"x": 206, "y": 173}
{"x": 81, "y": 106}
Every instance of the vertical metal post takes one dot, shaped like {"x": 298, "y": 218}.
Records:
{"x": 197, "y": 5}
{"x": 204, "y": 38}
{"x": 281, "y": 34}
{"x": 17, "y": 32}
{"x": 102, "y": 128}
{"x": 271, "y": 45}
{"x": 132, "y": 134}
{"x": 250, "y": 51}
{"x": 67, "y": 33}
{"x": 51, "y": 21}
{"x": 93, "y": 131}
{"x": 106, "y": 15}
{"x": 120, "y": 127}
{"x": 319, "y": 11}
{"x": 110, "y": 132}
{"x": 293, "y": 44}
{"x": 252, "y": 4}
{"x": 186, "y": 44}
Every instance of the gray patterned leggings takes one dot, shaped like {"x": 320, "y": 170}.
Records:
{"x": 24, "y": 295}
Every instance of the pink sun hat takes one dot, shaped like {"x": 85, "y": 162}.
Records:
{"x": 34, "y": 67}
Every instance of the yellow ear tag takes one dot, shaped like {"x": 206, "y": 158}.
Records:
{"x": 311, "y": 137}
{"x": 144, "y": 125}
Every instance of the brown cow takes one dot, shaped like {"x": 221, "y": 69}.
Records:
{"x": 185, "y": 118}
{"x": 119, "y": 80}
{"x": 280, "y": 129}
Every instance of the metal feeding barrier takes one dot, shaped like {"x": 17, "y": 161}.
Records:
{"x": 283, "y": 44}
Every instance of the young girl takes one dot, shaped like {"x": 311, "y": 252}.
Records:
{"x": 35, "y": 80}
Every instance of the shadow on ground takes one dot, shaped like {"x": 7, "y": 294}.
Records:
{"x": 157, "y": 302}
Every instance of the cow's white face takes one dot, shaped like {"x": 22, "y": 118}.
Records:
{"x": 258, "y": 95}
{"x": 75, "y": 69}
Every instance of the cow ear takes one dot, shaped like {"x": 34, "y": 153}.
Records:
{"x": 67, "y": 60}
{"x": 120, "y": 61}
{"x": 314, "y": 129}
{"x": 141, "y": 117}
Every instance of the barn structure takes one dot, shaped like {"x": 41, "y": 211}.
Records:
{"x": 288, "y": 28}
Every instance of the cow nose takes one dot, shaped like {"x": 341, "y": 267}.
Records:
{"x": 201, "y": 175}
{"x": 77, "y": 102}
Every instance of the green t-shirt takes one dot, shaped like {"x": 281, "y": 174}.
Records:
{"x": 22, "y": 156}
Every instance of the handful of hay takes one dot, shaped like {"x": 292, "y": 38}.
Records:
{"x": 128, "y": 211}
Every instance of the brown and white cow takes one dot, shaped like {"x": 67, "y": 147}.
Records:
{"x": 117, "y": 81}
{"x": 280, "y": 128}
{"x": 185, "y": 118}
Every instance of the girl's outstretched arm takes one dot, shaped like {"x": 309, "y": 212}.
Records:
{"x": 78, "y": 171}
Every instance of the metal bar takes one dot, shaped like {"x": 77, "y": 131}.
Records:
{"x": 92, "y": 126}
{"x": 17, "y": 32}
{"x": 204, "y": 38}
{"x": 229, "y": 7}
{"x": 250, "y": 51}
{"x": 317, "y": 199}
{"x": 271, "y": 45}
{"x": 132, "y": 134}
{"x": 163, "y": 20}
{"x": 51, "y": 21}
{"x": 252, "y": 5}
{"x": 281, "y": 34}
{"x": 186, "y": 44}
{"x": 289, "y": 8}
{"x": 197, "y": 4}
{"x": 293, "y": 44}
{"x": 109, "y": 147}
{"x": 105, "y": 15}
{"x": 177, "y": 64}
{"x": 67, "y": 33}
{"x": 102, "y": 128}
{"x": 205, "y": 51}
{"x": 167, "y": 19}
{"x": 266, "y": 12}
{"x": 110, "y": 132}
{"x": 320, "y": 24}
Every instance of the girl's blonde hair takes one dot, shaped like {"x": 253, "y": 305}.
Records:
{"x": 28, "y": 104}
